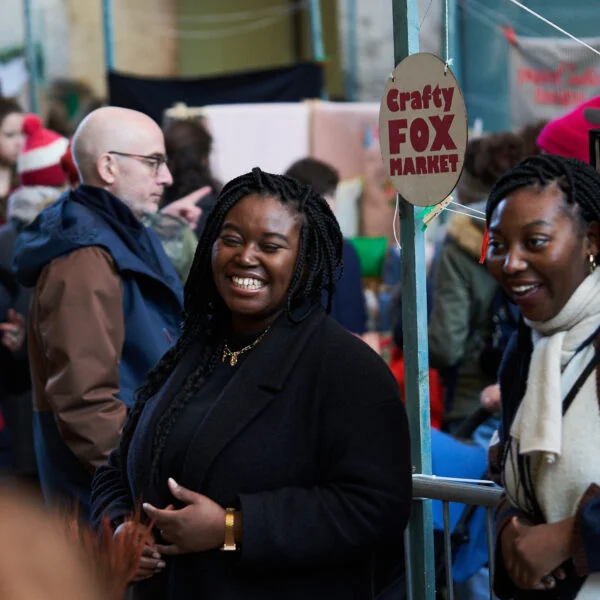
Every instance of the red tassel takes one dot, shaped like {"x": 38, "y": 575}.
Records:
{"x": 509, "y": 34}
{"x": 484, "y": 245}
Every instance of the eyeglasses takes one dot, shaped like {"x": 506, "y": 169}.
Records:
{"x": 153, "y": 160}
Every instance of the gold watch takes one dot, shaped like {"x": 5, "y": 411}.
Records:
{"x": 229, "y": 545}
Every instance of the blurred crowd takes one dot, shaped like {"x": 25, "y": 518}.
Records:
{"x": 136, "y": 290}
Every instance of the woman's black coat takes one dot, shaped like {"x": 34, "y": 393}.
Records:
{"x": 310, "y": 441}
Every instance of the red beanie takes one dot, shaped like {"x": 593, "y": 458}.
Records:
{"x": 68, "y": 166}
{"x": 39, "y": 161}
{"x": 568, "y": 135}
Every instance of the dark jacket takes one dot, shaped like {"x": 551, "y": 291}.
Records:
{"x": 460, "y": 324}
{"x": 348, "y": 302}
{"x": 15, "y": 382}
{"x": 101, "y": 317}
{"x": 586, "y": 534}
{"x": 310, "y": 441}
{"x": 14, "y": 369}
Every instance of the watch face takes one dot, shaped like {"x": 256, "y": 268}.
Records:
{"x": 229, "y": 544}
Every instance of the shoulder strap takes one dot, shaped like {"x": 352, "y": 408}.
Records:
{"x": 581, "y": 380}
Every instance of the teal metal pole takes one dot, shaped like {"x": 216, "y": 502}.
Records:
{"x": 316, "y": 35}
{"x": 352, "y": 57}
{"x": 31, "y": 58}
{"x": 316, "y": 30}
{"x": 416, "y": 360}
{"x": 451, "y": 46}
{"x": 109, "y": 41}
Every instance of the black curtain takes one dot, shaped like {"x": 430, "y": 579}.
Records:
{"x": 153, "y": 95}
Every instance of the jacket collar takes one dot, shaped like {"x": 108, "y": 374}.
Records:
{"x": 263, "y": 374}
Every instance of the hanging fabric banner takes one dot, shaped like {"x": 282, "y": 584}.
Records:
{"x": 550, "y": 76}
{"x": 13, "y": 76}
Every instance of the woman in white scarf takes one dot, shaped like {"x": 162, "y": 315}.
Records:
{"x": 544, "y": 238}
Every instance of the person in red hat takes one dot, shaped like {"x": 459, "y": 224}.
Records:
{"x": 568, "y": 135}
{"x": 11, "y": 142}
{"x": 41, "y": 181}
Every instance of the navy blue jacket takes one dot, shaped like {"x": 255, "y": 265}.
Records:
{"x": 152, "y": 307}
{"x": 348, "y": 302}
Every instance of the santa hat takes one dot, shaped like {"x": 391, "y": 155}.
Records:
{"x": 39, "y": 161}
{"x": 68, "y": 166}
{"x": 568, "y": 135}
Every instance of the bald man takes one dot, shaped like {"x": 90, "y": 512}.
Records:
{"x": 106, "y": 304}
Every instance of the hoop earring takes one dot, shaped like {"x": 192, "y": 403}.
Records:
{"x": 592, "y": 261}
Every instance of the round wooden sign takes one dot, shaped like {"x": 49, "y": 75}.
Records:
{"x": 423, "y": 129}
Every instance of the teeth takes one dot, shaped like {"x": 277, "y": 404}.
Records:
{"x": 248, "y": 283}
{"x": 523, "y": 288}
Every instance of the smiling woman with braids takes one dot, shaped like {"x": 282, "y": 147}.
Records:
{"x": 544, "y": 228}
{"x": 269, "y": 446}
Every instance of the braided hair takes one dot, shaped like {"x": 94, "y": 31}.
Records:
{"x": 206, "y": 318}
{"x": 580, "y": 184}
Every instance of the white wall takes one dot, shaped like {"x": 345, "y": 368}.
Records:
{"x": 71, "y": 35}
{"x": 50, "y": 28}
{"x": 375, "y": 44}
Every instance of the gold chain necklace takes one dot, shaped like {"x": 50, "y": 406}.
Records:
{"x": 233, "y": 356}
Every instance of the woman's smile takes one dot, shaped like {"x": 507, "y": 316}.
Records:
{"x": 254, "y": 259}
{"x": 538, "y": 251}
{"x": 247, "y": 284}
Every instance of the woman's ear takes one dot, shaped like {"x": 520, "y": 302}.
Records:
{"x": 593, "y": 238}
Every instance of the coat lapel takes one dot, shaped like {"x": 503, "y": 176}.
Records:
{"x": 253, "y": 388}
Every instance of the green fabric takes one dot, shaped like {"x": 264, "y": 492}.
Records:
{"x": 460, "y": 324}
{"x": 371, "y": 254}
{"x": 177, "y": 239}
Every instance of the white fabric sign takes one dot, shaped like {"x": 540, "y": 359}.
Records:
{"x": 550, "y": 76}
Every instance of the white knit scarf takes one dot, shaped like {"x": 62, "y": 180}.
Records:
{"x": 538, "y": 422}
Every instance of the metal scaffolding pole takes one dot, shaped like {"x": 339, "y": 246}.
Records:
{"x": 109, "y": 42}
{"x": 414, "y": 317}
{"x": 451, "y": 42}
{"x": 352, "y": 57}
{"x": 316, "y": 35}
{"x": 30, "y": 57}
{"x": 316, "y": 30}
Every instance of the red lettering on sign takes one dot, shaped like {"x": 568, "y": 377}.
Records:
{"x": 424, "y": 165}
{"x": 419, "y": 134}
{"x": 396, "y": 137}
{"x": 443, "y": 139}
{"x": 453, "y": 158}
{"x": 443, "y": 164}
{"x": 409, "y": 166}
{"x": 392, "y": 100}
{"x": 404, "y": 98}
{"x": 558, "y": 97}
{"x": 421, "y": 164}
{"x": 433, "y": 164}
{"x": 395, "y": 166}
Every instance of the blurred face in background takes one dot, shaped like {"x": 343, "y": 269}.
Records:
{"x": 12, "y": 138}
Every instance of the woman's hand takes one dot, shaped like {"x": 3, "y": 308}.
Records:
{"x": 490, "y": 398}
{"x": 151, "y": 561}
{"x": 13, "y": 331}
{"x": 198, "y": 527}
{"x": 533, "y": 554}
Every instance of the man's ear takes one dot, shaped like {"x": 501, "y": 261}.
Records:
{"x": 106, "y": 168}
{"x": 593, "y": 238}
